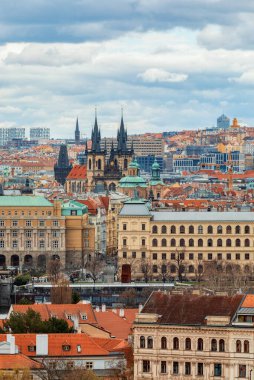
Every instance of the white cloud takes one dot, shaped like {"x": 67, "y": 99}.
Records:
{"x": 161, "y": 76}
{"x": 247, "y": 78}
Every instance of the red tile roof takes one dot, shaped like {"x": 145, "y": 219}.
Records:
{"x": 248, "y": 301}
{"x": 17, "y": 361}
{"x": 190, "y": 309}
{"x": 77, "y": 172}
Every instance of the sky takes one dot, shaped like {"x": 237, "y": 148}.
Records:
{"x": 170, "y": 64}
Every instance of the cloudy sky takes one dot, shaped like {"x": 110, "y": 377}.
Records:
{"x": 171, "y": 64}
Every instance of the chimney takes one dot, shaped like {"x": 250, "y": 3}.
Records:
{"x": 75, "y": 321}
{"x": 41, "y": 344}
{"x": 114, "y": 311}
{"x": 11, "y": 339}
{"x": 97, "y": 308}
{"x": 140, "y": 307}
{"x": 121, "y": 313}
{"x": 103, "y": 308}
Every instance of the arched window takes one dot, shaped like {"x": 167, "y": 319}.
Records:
{"x": 247, "y": 229}
{"x": 155, "y": 269}
{"x": 238, "y": 243}
{"x": 228, "y": 230}
{"x": 210, "y": 242}
{"x": 219, "y": 243}
{"x": 191, "y": 230}
{"x": 200, "y": 242}
{"x": 173, "y": 242}
{"x": 125, "y": 164}
{"x": 200, "y": 344}
{"x": 246, "y": 346}
{"x": 154, "y": 243}
{"x": 200, "y": 229}
{"x": 247, "y": 242}
{"x": 99, "y": 164}
{"x": 163, "y": 343}
{"x": 163, "y": 229}
{"x": 238, "y": 346}
{"x": 237, "y": 229}
{"x": 149, "y": 342}
{"x": 182, "y": 243}
{"x": 228, "y": 243}
{"x": 200, "y": 269}
{"x": 172, "y": 268}
{"x": 187, "y": 344}
{"x": 164, "y": 242}
{"x": 210, "y": 229}
{"x": 214, "y": 345}
{"x": 175, "y": 344}
{"x": 173, "y": 229}
{"x": 142, "y": 342}
{"x": 182, "y": 230}
{"x": 164, "y": 268}
{"x": 219, "y": 230}
{"x": 155, "y": 230}
{"x": 191, "y": 243}
{"x": 221, "y": 345}
{"x": 191, "y": 269}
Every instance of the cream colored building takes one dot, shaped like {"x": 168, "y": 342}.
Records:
{"x": 187, "y": 337}
{"x": 163, "y": 238}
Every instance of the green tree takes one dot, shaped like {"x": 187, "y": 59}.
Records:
{"x": 56, "y": 325}
{"x": 22, "y": 279}
{"x": 25, "y": 301}
{"x": 75, "y": 297}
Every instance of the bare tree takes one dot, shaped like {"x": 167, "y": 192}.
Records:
{"x": 64, "y": 370}
{"x": 54, "y": 270}
{"x": 180, "y": 263}
{"x": 147, "y": 269}
{"x": 95, "y": 266}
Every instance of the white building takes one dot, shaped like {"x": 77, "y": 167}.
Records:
{"x": 39, "y": 133}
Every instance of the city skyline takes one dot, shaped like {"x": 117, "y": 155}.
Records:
{"x": 170, "y": 65}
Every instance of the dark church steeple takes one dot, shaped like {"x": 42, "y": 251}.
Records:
{"x": 77, "y": 133}
{"x": 96, "y": 137}
{"x": 63, "y": 166}
{"x": 122, "y": 138}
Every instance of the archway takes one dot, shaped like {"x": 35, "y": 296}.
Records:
{"x": 55, "y": 257}
{"x": 28, "y": 260}
{"x": 112, "y": 186}
{"x": 41, "y": 261}
{"x": 14, "y": 260}
{"x": 2, "y": 261}
{"x": 126, "y": 273}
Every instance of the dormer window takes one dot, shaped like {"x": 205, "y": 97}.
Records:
{"x": 84, "y": 317}
{"x": 69, "y": 316}
{"x": 66, "y": 347}
{"x": 78, "y": 348}
{"x": 31, "y": 348}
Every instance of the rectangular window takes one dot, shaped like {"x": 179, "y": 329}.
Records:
{"x": 41, "y": 223}
{"x": 41, "y": 244}
{"x": 14, "y": 233}
{"x": 210, "y": 256}
{"x": 14, "y": 223}
{"x": 200, "y": 256}
{"x": 15, "y": 244}
{"x": 143, "y": 227}
{"x": 217, "y": 369}
{"x": 242, "y": 370}
{"x": 1, "y": 223}
{"x": 175, "y": 368}
{"x": 200, "y": 369}
{"x": 134, "y": 255}
{"x": 28, "y": 244}
{"x": 247, "y": 256}
{"x": 1, "y": 243}
{"x": 219, "y": 256}
{"x": 55, "y": 223}
{"x": 173, "y": 256}
{"x": 143, "y": 254}
{"x": 28, "y": 233}
{"x": 143, "y": 242}
{"x": 237, "y": 256}
{"x": 187, "y": 368}
{"x": 73, "y": 212}
{"x": 1, "y": 233}
{"x": 28, "y": 223}
{"x": 56, "y": 233}
{"x": 191, "y": 256}
{"x": 124, "y": 241}
{"x": 125, "y": 255}
{"x": 154, "y": 256}
{"x": 163, "y": 367}
{"x": 125, "y": 227}
{"x": 89, "y": 365}
{"x": 228, "y": 256}
{"x": 55, "y": 244}
{"x": 163, "y": 256}
{"x": 146, "y": 365}
{"x": 182, "y": 256}
{"x": 41, "y": 233}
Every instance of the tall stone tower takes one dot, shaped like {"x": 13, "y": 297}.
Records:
{"x": 63, "y": 166}
{"x": 77, "y": 133}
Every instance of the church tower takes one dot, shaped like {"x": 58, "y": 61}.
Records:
{"x": 63, "y": 166}
{"x": 124, "y": 155}
{"x": 77, "y": 133}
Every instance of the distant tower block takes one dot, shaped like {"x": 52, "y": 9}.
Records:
{"x": 77, "y": 133}
{"x": 223, "y": 122}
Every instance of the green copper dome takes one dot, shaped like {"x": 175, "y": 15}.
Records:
{"x": 155, "y": 165}
{"x": 132, "y": 181}
{"x": 134, "y": 164}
